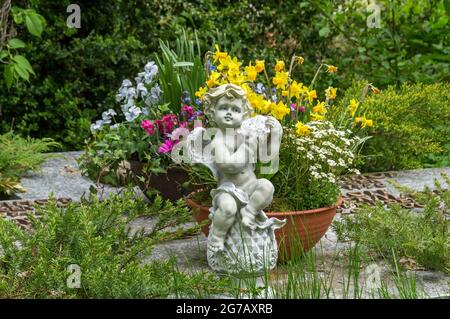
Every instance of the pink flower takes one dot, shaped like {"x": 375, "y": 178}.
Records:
{"x": 293, "y": 106}
{"x": 167, "y": 146}
{"x": 187, "y": 110}
{"x": 183, "y": 124}
{"x": 166, "y": 124}
{"x": 148, "y": 127}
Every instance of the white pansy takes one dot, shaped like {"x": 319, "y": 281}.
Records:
{"x": 97, "y": 126}
{"x": 132, "y": 113}
{"x": 141, "y": 90}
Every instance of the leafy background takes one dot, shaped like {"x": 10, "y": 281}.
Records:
{"x": 79, "y": 70}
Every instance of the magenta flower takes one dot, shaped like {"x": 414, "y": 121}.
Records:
{"x": 187, "y": 110}
{"x": 167, "y": 146}
{"x": 167, "y": 123}
{"x": 148, "y": 127}
{"x": 293, "y": 106}
{"x": 301, "y": 109}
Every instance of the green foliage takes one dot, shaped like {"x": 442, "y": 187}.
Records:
{"x": 180, "y": 70}
{"x": 424, "y": 236}
{"x": 16, "y": 65}
{"x": 410, "y": 126}
{"x": 18, "y": 155}
{"x": 79, "y": 70}
{"x": 96, "y": 236}
{"x": 411, "y": 44}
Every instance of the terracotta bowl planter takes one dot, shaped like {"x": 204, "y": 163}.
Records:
{"x": 168, "y": 184}
{"x": 302, "y": 231}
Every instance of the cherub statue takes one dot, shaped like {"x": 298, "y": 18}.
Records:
{"x": 240, "y": 195}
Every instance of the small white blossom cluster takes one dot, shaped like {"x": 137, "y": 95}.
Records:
{"x": 326, "y": 151}
{"x": 130, "y": 95}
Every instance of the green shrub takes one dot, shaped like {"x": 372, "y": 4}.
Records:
{"x": 410, "y": 128}
{"x": 96, "y": 236}
{"x": 18, "y": 155}
{"x": 424, "y": 236}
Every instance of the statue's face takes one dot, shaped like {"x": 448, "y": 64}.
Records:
{"x": 229, "y": 113}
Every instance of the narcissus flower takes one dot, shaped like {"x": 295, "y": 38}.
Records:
{"x": 280, "y": 79}
{"x": 251, "y": 72}
{"x": 259, "y": 66}
{"x": 219, "y": 56}
{"x": 331, "y": 68}
{"x": 201, "y": 91}
{"x": 296, "y": 89}
{"x": 331, "y": 93}
{"x": 364, "y": 122}
{"x": 302, "y": 129}
{"x": 280, "y": 110}
{"x": 312, "y": 95}
{"x": 279, "y": 66}
{"x": 353, "y": 107}
{"x": 316, "y": 117}
{"x": 320, "y": 108}
{"x": 375, "y": 90}
{"x": 213, "y": 79}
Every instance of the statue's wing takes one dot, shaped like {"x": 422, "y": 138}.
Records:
{"x": 197, "y": 148}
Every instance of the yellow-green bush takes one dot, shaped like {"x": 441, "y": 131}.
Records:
{"x": 411, "y": 126}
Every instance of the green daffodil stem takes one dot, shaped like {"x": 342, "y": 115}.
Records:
{"x": 315, "y": 76}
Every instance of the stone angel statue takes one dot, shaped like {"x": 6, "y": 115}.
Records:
{"x": 241, "y": 237}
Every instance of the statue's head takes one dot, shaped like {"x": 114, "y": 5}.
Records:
{"x": 227, "y": 105}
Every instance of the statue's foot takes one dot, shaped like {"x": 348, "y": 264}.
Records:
{"x": 216, "y": 244}
{"x": 248, "y": 218}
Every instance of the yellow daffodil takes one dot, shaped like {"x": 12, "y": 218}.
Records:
{"x": 251, "y": 72}
{"x": 212, "y": 80}
{"x": 265, "y": 107}
{"x": 300, "y": 60}
{"x": 201, "y": 91}
{"x": 331, "y": 68}
{"x": 279, "y": 66}
{"x": 364, "y": 122}
{"x": 257, "y": 102}
{"x": 353, "y": 107}
{"x": 316, "y": 117}
{"x": 319, "y": 108}
{"x": 280, "y": 79}
{"x": 280, "y": 110}
{"x": 237, "y": 79}
{"x": 284, "y": 93}
{"x": 296, "y": 89}
{"x": 259, "y": 66}
{"x": 312, "y": 95}
{"x": 302, "y": 129}
{"x": 219, "y": 56}
{"x": 331, "y": 93}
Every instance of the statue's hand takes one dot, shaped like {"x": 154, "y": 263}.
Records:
{"x": 274, "y": 125}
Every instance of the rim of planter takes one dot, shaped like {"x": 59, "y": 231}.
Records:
{"x": 288, "y": 213}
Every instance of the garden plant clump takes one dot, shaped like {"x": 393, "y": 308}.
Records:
{"x": 96, "y": 236}
{"x": 423, "y": 237}
{"x": 17, "y": 156}
{"x": 412, "y": 128}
